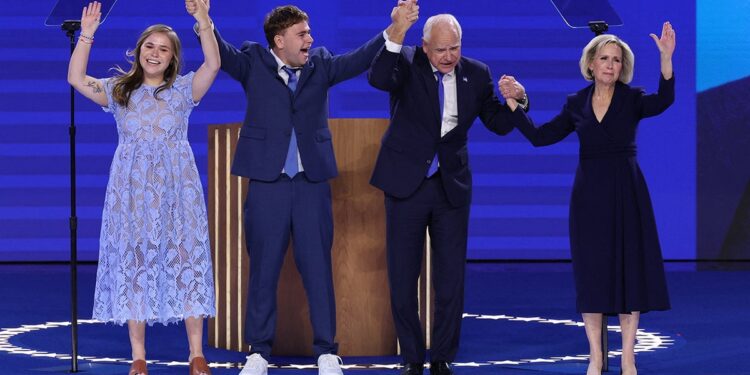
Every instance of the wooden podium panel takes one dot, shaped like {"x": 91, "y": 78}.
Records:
{"x": 364, "y": 321}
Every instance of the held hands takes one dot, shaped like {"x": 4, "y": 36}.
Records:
{"x": 90, "y": 18}
{"x": 511, "y": 90}
{"x": 199, "y": 10}
{"x": 666, "y": 43}
{"x": 405, "y": 14}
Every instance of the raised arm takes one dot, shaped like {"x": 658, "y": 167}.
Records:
{"x": 388, "y": 68}
{"x": 88, "y": 86}
{"x": 403, "y": 16}
{"x": 550, "y": 133}
{"x": 353, "y": 63}
{"x": 666, "y": 44}
{"x": 654, "y": 104}
{"x": 206, "y": 74}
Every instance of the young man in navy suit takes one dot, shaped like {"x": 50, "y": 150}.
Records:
{"x": 285, "y": 150}
{"x": 423, "y": 169}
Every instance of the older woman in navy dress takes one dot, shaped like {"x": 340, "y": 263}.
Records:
{"x": 615, "y": 249}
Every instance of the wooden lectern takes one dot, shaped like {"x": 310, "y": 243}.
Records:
{"x": 364, "y": 321}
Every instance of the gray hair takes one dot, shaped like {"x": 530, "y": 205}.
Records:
{"x": 595, "y": 45}
{"x": 440, "y": 18}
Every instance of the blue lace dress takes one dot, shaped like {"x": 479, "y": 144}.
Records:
{"x": 154, "y": 255}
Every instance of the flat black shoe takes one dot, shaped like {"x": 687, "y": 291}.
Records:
{"x": 440, "y": 368}
{"x": 413, "y": 369}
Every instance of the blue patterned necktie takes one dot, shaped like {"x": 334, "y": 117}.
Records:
{"x": 290, "y": 165}
{"x": 441, "y": 96}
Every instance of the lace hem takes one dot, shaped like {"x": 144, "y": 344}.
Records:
{"x": 120, "y": 321}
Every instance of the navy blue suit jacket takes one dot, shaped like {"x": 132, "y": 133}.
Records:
{"x": 413, "y": 136}
{"x": 272, "y": 109}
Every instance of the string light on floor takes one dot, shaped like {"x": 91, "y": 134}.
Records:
{"x": 646, "y": 342}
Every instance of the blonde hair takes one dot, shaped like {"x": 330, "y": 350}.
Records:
{"x": 595, "y": 45}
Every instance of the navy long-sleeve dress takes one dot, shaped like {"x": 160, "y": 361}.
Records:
{"x": 617, "y": 260}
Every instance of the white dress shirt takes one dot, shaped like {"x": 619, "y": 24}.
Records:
{"x": 450, "y": 101}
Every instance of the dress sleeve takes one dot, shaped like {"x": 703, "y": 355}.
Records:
{"x": 550, "y": 133}
{"x": 184, "y": 85}
{"x": 654, "y": 104}
{"x": 108, "y": 84}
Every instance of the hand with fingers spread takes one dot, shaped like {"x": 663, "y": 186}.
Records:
{"x": 90, "y": 19}
{"x": 88, "y": 86}
{"x": 666, "y": 44}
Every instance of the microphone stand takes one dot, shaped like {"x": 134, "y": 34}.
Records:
{"x": 70, "y": 27}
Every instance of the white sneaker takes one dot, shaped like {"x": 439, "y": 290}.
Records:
{"x": 329, "y": 364}
{"x": 255, "y": 365}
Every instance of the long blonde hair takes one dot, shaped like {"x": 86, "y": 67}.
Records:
{"x": 126, "y": 82}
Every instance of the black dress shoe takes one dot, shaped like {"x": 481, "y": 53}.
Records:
{"x": 440, "y": 368}
{"x": 413, "y": 369}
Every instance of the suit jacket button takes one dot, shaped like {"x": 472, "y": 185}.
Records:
{"x": 429, "y": 161}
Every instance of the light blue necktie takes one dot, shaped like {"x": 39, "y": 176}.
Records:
{"x": 290, "y": 165}
{"x": 441, "y": 95}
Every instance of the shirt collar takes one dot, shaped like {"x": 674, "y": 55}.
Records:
{"x": 280, "y": 64}
{"x": 449, "y": 74}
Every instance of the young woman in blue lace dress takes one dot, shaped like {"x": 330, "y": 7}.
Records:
{"x": 154, "y": 256}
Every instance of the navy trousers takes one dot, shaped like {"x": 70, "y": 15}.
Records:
{"x": 406, "y": 223}
{"x": 274, "y": 211}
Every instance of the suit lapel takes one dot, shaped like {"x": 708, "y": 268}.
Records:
{"x": 462, "y": 95}
{"x": 270, "y": 63}
{"x": 462, "y": 91}
{"x": 430, "y": 85}
{"x": 305, "y": 74}
{"x": 617, "y": 99}
{"x": 589, "y": 104}
{"x": 614, "y": 106}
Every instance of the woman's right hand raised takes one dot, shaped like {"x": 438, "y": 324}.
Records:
{"x": 90, "y": 18}
{"x": 198, "y": 9}
{"x": 666, "y": 42}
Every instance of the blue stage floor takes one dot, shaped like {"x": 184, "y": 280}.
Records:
{"x": 520, "y": 319}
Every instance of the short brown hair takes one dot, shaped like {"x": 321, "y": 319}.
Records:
{"x": 279, "y": 19}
